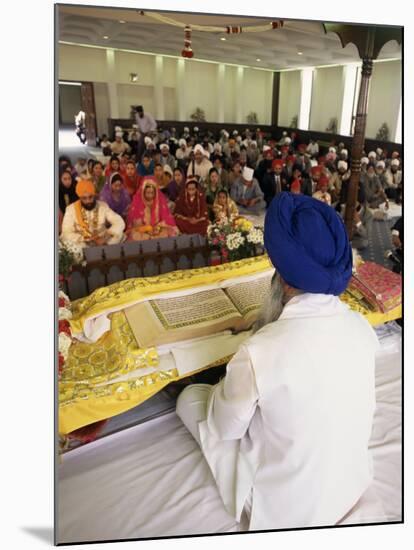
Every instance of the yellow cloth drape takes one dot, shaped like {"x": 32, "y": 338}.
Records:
{"x": 86, "y": 391}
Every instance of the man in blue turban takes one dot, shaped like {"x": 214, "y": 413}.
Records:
{"x": 286, "y": 431}
{"x": 307, "y": 242}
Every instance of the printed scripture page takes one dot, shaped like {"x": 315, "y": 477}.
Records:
{"x": 249, "y": 297}
{"x": 168, "y": 320}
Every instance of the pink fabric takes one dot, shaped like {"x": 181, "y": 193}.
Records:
{"x": 159, "y": 209}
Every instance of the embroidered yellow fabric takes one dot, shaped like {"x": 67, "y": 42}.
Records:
{"x": 86, "y": 391}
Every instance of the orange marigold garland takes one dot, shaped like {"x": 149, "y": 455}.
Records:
{"x": 187, "y": 51}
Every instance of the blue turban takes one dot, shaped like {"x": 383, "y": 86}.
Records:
{"x": 307, "y": 243}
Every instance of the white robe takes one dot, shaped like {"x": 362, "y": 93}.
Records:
{"x": 290, "y": 422}
{"x": 71, "y": 231}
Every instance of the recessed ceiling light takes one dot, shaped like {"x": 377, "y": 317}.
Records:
{"x": 300, "y": 53}
{"x": 106, "y": 37}
{"x": 223, "y": 38}
{"x": 258, "y": 59}
{"x": 121, "y": 21}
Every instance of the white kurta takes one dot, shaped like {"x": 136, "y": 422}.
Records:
{"x": 71, "y": 231}
{"x": 292, "y": 418}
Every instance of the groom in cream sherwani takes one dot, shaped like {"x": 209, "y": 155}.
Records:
{"x": 286, "y": 431}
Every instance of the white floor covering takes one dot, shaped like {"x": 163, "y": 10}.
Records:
{"x": 151, "y": 480}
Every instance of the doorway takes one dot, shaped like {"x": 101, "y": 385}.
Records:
{"x": 74, "y": 97}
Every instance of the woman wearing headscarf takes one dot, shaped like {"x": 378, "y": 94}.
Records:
{"x": 67, "y": 189}
{"x": 114, "y": 165}
{"x": 191, "y": 209}
{"x": 212, "y": 188}
{"x": 179, "y": 179}
{"x": 131, "y": 180}
{"x": 115, "y": 195}
{"x": 149, "y": 216}
{"x": 224, "y": 208}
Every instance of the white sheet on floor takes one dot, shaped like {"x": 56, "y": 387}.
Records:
{"x": 151, "y": 480}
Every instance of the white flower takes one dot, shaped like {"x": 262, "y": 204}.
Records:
{"x": 234, "y": 241}
{"x": 255, "y": 236}
{"x": 64, "y": 313}
{"x": 64, "y": 344}
{"x": 74, "y": 249}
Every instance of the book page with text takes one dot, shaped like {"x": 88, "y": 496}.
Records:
{"x": 250, "y": 296}
{"x": 201, "y": 309}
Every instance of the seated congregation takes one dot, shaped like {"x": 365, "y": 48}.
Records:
{"x": 179, "y": 185}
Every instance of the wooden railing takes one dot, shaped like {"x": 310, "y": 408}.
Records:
{"x": 109, "y": 264}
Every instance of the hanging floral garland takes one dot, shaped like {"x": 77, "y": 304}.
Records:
{"x": 187, "y": 51}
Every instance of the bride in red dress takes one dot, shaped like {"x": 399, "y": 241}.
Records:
{"x": 191, "y": 209}
{"x": 149, "y": 216}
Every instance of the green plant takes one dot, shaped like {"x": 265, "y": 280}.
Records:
{"x": 294, "y": 122}
{"x": 252, "y": 118}
{"x": 383, "y": 133}
{"x": 333, "y": 126}
{"x": 198, "y": 115}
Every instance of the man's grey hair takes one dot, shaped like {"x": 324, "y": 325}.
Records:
{"x": 274, "y": 303}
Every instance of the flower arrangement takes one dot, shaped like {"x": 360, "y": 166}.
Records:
{"x": 235, "y": 239}
{"x": 65, "y": 334}
{"x": 70, "y": 254}
{"x": 198, "y": 115}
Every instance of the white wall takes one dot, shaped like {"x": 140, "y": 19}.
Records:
{"x": 201, "y": 85}
{"x": 289, "y": 97}
{"x": 257, "y": 95}
{"x": 133, "y": 94}
{"x": 82, "y": 64}
{"x": 229, "y": 93}
{"x": 384, "y": 98}
{"x": 327, "y": 94}
{"x": 201, "y": 88}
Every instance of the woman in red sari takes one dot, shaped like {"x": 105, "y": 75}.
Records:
{"x": 114, "y": 165}
{"x": 149, "y": 216}
{"x": 191, "y": 209}
{"x": 131, "y": 180}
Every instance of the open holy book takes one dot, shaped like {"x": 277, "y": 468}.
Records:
{"x": 168, "y": 320}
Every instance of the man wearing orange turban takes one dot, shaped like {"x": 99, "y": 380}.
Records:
{"x": 90, "y": 222}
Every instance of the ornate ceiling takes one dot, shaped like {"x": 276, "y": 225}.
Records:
{"x": 276, "y": 49}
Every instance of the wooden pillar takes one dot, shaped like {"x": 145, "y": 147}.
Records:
{"x": 88, "y": 106}
{"x": 358, "y": 143}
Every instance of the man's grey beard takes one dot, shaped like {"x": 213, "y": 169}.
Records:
{"x": 273, "y": 304}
